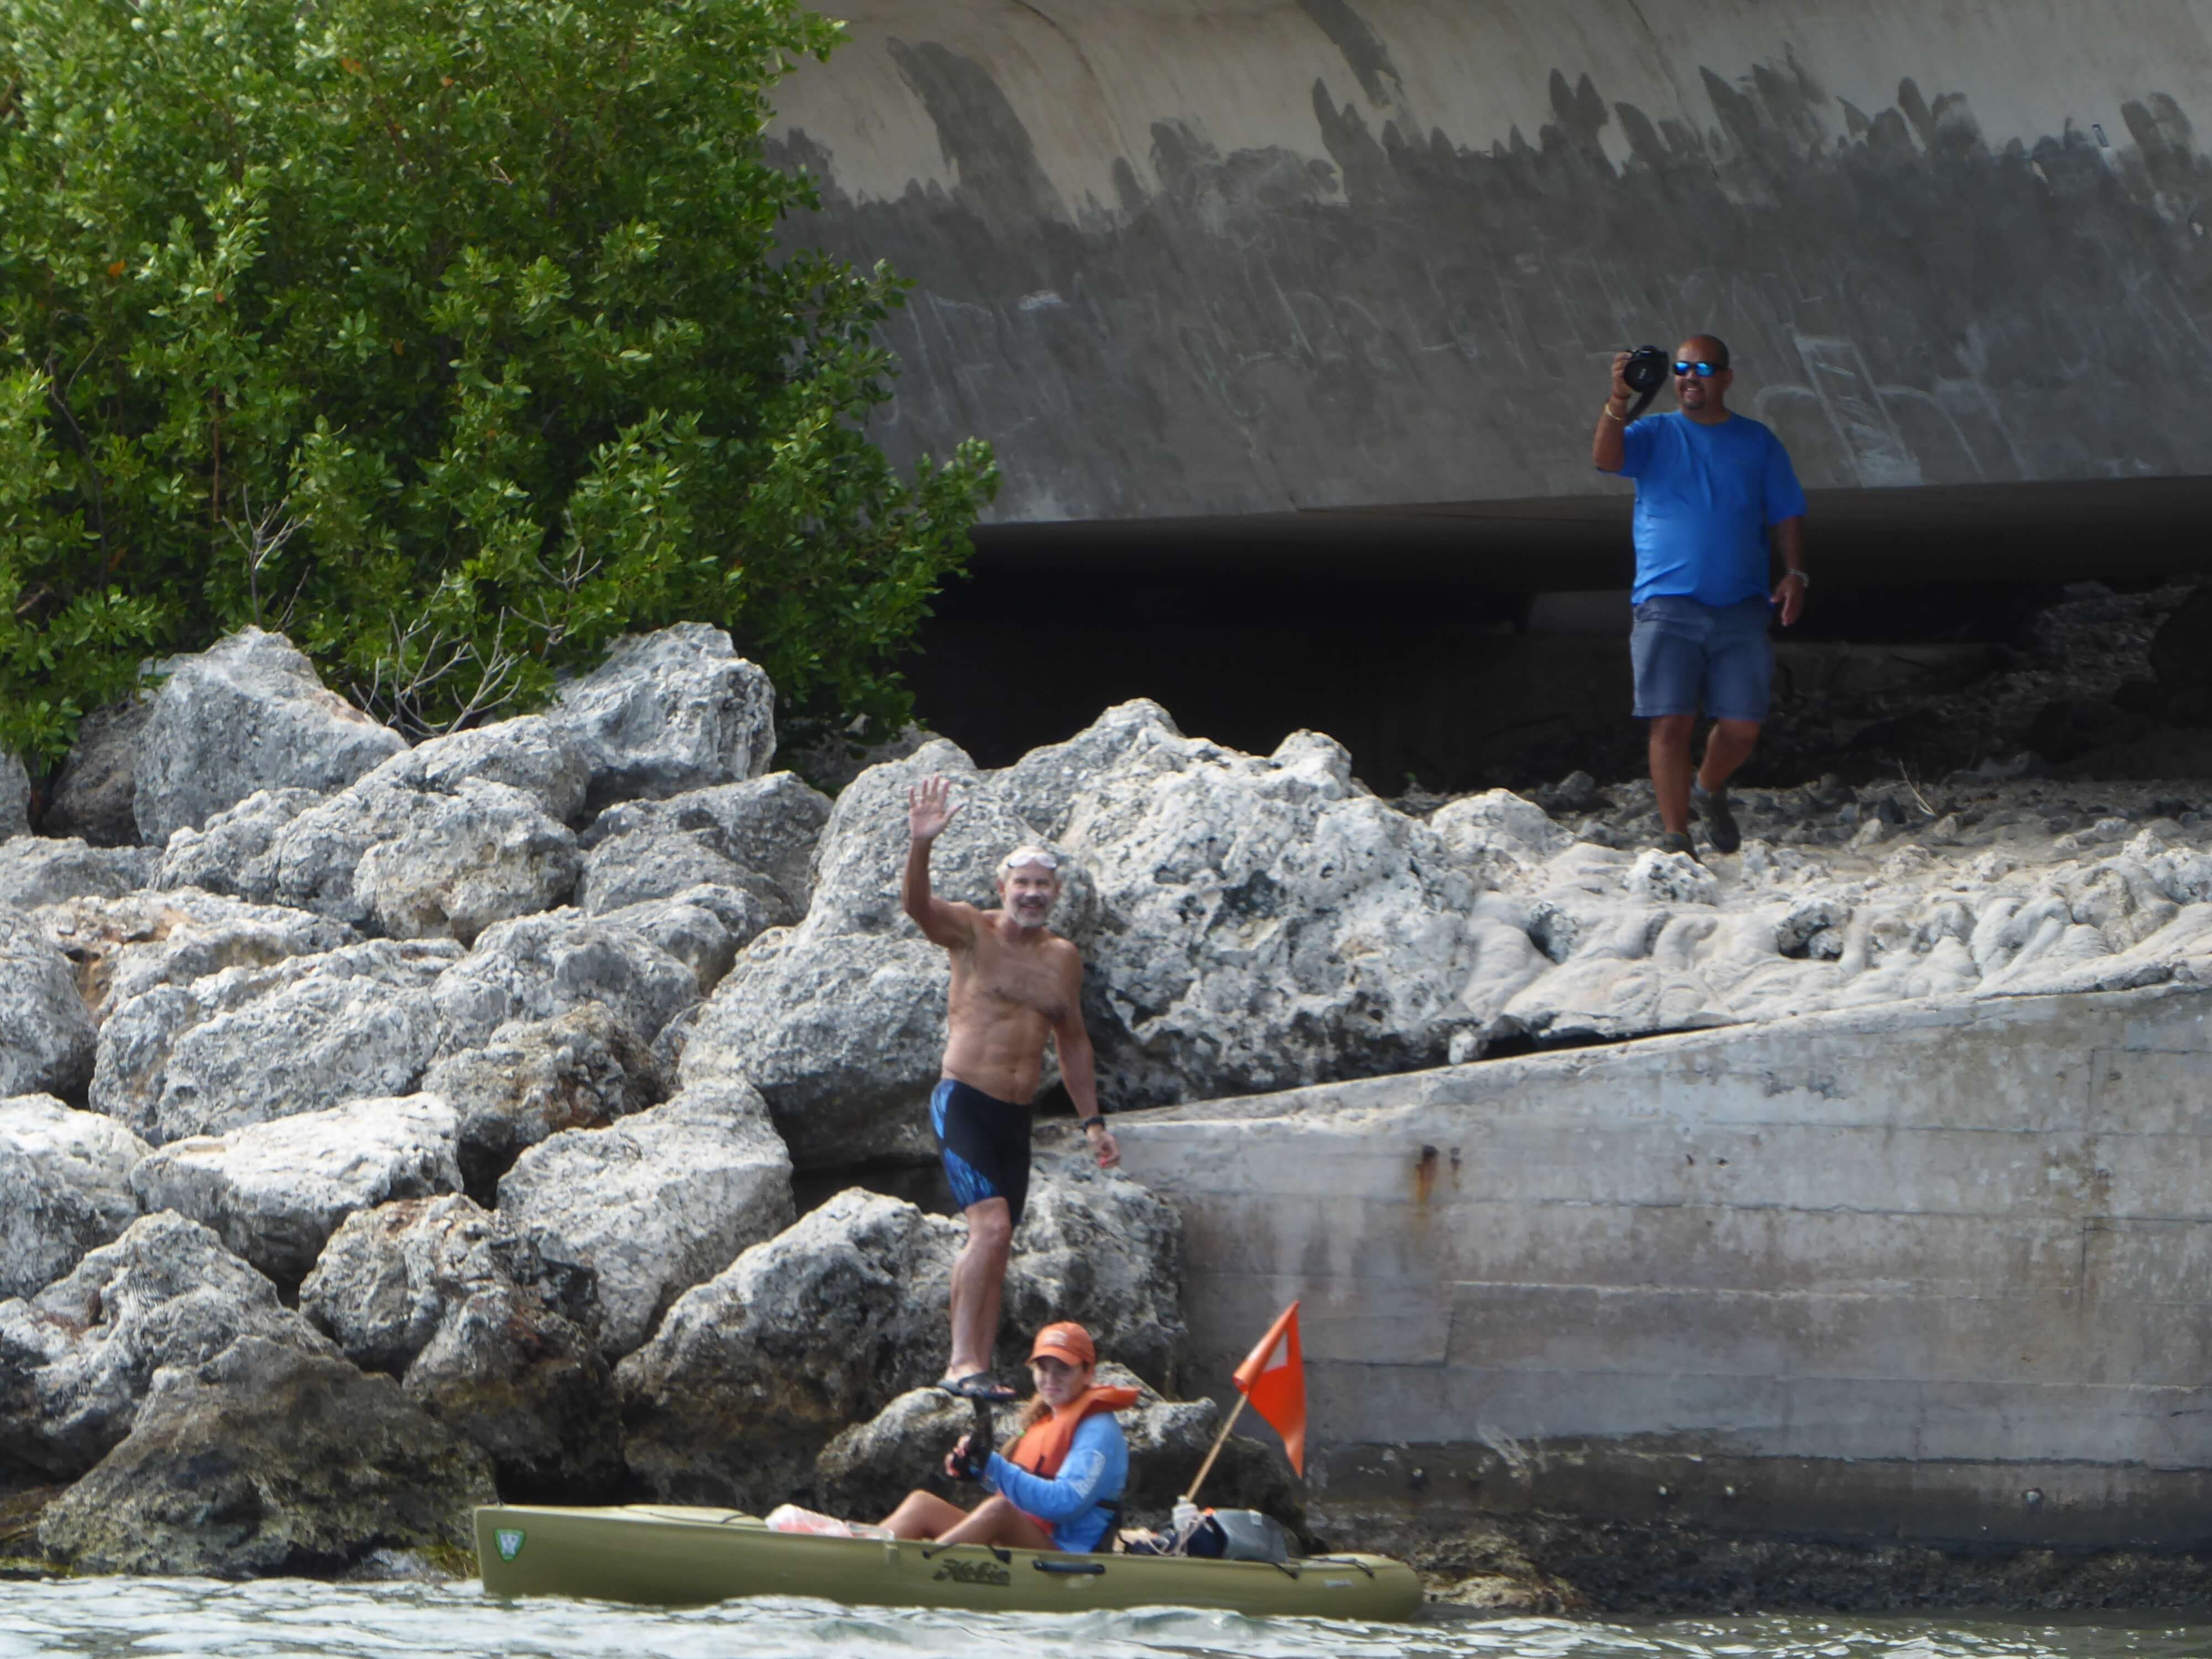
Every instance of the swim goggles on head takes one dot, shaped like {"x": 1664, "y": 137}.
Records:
{"x": 1042, "y": 861}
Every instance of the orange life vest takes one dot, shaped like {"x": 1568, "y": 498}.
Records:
{"x": 1043, "y": 1445}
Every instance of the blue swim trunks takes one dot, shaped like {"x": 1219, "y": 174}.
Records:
{"x": 1689, "y": 656}
{"x": 984, "y": 1145}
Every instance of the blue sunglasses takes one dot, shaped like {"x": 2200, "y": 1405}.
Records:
{"x": 1703, "y": 371}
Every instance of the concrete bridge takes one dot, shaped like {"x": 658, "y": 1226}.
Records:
{"x": 1186, "y": 258}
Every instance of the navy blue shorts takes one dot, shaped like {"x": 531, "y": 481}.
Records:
{"x": 1690, "y": 657}
{"x": 984, "y": 1145}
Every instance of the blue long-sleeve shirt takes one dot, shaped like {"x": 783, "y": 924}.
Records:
{"x": 1071, "y": 1503}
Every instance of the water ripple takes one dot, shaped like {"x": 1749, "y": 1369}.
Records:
{"x": 303, "y": 1619}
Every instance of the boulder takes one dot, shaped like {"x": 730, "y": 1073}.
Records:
{"x": 46, "y": 1038}
{"x": 703, "y": 928}
{"x": 35, "y": 870}
{"x": 122, "y": 948}
{"x": 537, "y": 967}
{"x": 247, "y": 714}
{"x": 98, "y": 785}
{"x": 754, "y": 1372}
{"x": 1100, "y": 1248}
{"x": 669, "y": 712}
{"x": 1262, "y": 922}
{"x": 248, "y": 1044}
{"x": 654, "y": 1204}
{"x": 580, "y": 1070}
{"x": 77, "y": 1359}
{"x": 265, "y": 1459}
{"x": 532, "y": 754}
{"x": 462, "y": 1309}
{"x": 765, "y": 828}
{"x": 235, "y": 851}
{"x": 1499, "y": 835}
{"x": 64, "y": 1188}
{"x": 869, "y": 1467}
{"x": 275, "y": 1192}
{"x": 14, "y": 798}
{"x": 412, "y": 860}
{"x": 843, "y": 1034}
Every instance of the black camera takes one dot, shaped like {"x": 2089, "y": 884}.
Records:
{"x": 1646, "y": 370}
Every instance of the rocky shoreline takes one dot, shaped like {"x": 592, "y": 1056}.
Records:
{"x": 385, "y": 1128}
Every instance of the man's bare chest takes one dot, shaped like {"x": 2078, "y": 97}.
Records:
{"x": 997, "y": 981}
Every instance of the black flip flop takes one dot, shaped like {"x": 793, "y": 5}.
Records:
{"x": 978, "y": 1385}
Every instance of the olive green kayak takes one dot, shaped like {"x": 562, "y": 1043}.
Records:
{"x": 671, "y": 1555}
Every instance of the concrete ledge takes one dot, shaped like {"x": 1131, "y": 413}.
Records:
{"x": 1893, "y": 1268}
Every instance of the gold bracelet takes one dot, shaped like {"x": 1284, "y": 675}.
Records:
{"x": 1616, "y": 413}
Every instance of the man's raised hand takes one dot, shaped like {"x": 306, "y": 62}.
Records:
{"x": 929, "y": 808}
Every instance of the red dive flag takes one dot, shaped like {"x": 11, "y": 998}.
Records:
{"x": 1273, "y": 1378}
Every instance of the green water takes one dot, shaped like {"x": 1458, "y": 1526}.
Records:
{"x": 296, "y": 1619}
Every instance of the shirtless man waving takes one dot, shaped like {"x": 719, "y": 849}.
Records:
{"x": 1014, "y": 981}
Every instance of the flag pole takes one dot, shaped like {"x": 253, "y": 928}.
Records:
{"x": 1219, "y": 1440}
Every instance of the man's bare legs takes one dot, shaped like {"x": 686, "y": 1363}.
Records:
{"x": 994, "y": 1520}
{"x": 1727, "y": 747}
{"x": 978, "y": 1275}
{"x": 1670, "y": 769}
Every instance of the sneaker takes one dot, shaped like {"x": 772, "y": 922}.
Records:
{"x": 1720, "y": 822}
{"x": 1674, "y": 841}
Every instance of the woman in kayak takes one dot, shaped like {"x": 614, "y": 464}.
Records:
{"x": 1059, "y": 1485}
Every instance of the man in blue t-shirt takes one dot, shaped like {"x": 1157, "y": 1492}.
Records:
{"x": 1711, "y": 488}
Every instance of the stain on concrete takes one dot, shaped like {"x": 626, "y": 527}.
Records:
{"x": 980, "y": 133}
{"x": 1398, "y": 317}
{"x": 1362, "y": 48}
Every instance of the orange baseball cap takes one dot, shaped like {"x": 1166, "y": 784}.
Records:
{"x": 1066, "y": 1341}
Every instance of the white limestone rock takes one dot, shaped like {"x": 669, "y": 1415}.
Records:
{"x": 449, "y": 1299}
{"x": 1095, "y": 1241}
{"x": 124, "y": 947}
{"x": 751, "y": 1374}
{"x": 64, "y": 1188}
{"x": 1499, "y": 835}
{"x": 275, "y": 1192}
{"x": 669, "y": 712}
{"x": 768, "y": 826}
{"x": 235, "y": 851}
{"x": 580, "y": 1070}
{"x": 537, "y": 967}
{"x": 247, "y": 714}
{"x": 1045, "y": 785}
{"x": 842, "y": 1032}
{"x": 78, "y": 1359}
{"x": 14, "y": 798}
{"x": 653, "y": 1204}
{"x": 1671, "y": 878}
{"x": 533, "y": 754}
{"x": 703, "y": 928}
{"x": 1262, "y": 922}
{"x": 425, "y": 861}
{"x": 36, "y": 871}
{"x": 246, "y": 1044}
{"x": 46, "y": 1038}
